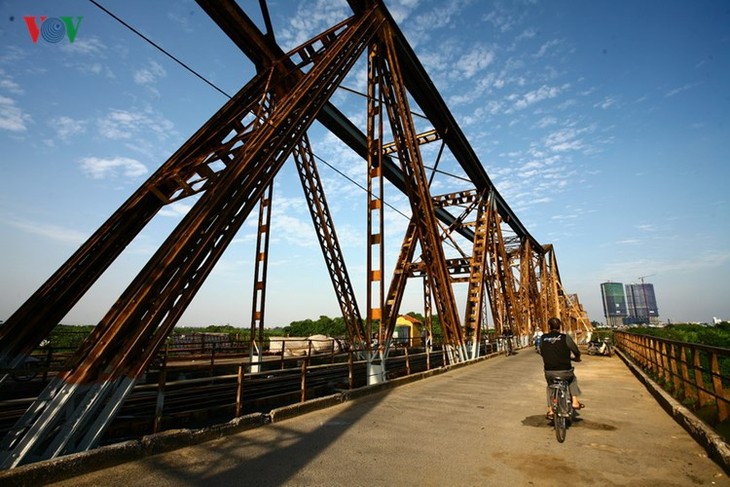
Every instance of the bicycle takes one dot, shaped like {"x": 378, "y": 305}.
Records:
{"x": 507, "y": 345}
{"x": 561, "y": 404}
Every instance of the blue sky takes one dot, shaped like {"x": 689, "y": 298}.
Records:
{"x": 605, "y": 125}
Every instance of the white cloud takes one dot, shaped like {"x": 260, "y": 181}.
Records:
{"x": 53, "y": 232}
{"x": 546, "y": 47}
{"x": 98, "y": 168}
{"x": 535, "y": 96}
{"x": 176, "y": 210}
{"x": 606, "y": 103}
{"x": 12, "y": 118}
{"x": 149, "y": 74}
{"x": 678, "y": 90}
{"x": 475, "y": 61}
{"x": 7, "y": 84}
{"x": 311, "y": 19}
{"x": 67, "y": 127}
{"x": 124, "y": 124}
{"x": 87, "y": 46}
{"x": 566, "y": 139}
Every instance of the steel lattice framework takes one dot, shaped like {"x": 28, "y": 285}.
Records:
{"x": 231, "y": 163}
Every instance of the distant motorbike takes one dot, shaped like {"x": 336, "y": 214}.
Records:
{"x": 602, "y": 347}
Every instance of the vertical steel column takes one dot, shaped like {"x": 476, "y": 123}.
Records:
{"x": 416, "y": 183}
{"x": 261, "y": 266}
{"x": 477, "y": 272}
{"x": 375, "y": 220}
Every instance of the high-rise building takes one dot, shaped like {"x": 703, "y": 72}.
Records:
{"x": 642, "y": 304}
{"x": 614, "y": 303}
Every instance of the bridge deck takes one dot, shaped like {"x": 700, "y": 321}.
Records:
{"x": 477, "y": 425}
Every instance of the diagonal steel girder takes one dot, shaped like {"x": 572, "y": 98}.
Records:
{"x": 429, "y": 100}
{"x": 263, "y": 51}
{"x": 329, "y": 243}
{"x": 417, "y": 187}
{"x": 78, "y": 404}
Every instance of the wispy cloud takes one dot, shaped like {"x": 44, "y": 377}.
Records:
{"x": 12, "y": 117}
{"x": 149, "y": 74}
{"x": 98, "y": 168}
{"x": 531, "y": 97}
{"x": 679, "y": 90}
{"x": 546, "y": 47}
{"x": 310, "y": 20}
{"x": 566, "y": 139}
{"x": 128, "y": 124}
{"x": 86, "y": 46}
{"x": 53, "y": 232}
{"x": 8, "y": 84}
{"x": 648, "y": 227}
{"x": 474, "y": 61}
{"x": 176, "y": 210}
{"x": 67, "y": 127}
{"x": 606, "y": 103}
{"x": 692, "y": 263}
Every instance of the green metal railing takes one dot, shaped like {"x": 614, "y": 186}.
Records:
{"x": 697, "y": 375}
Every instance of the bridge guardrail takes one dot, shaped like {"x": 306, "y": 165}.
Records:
{"x": 693, "y": 373}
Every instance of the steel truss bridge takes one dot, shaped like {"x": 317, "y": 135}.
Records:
{"x": 231, "y": 164}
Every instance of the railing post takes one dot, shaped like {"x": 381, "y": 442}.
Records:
{"x": 657, "y": 357}
{"x": 304, "y": 379}
{"x": 666, "y": 371}
{"x": 212, "y": 359}
{"x": 675, "y": 369}
{"x": 350, "y": 375}
{"x": 239, "y": 391}
{"x": 687, "y": 390}
{"x": 722, "y": 410}
{"x": 408, "y": 363}
{"x": 161, "y": 382}
{"x": 704, "y": 398}
{"x": 283, "y": 349}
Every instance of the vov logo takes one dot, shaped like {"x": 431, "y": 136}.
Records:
{"x": 52, "y": 29}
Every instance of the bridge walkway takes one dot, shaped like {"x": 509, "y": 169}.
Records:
{"x": 477, "y": 425}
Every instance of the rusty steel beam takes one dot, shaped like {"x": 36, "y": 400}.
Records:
{"x": 377, "y": 312}
{"x": 478, "y": 269}
{"x": 264, "y": 51}
{"x": 422, "y": 138}
{"x": 129, "y": 335}
{"x": 328, "y": 241}
{"x": 261, "y": 267}
{"x": 429, "y": 100}
{"x": 35, "y": 319}
{"x": 417, "y": 187}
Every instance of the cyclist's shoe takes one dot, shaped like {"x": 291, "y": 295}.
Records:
{"x": 579, "y": 406}
{"x": 549, "y": 416}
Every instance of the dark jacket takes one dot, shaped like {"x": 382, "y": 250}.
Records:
{"x": 555, "y": 348}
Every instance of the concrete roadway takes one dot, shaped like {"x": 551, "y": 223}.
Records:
{"x": 472, "y": 426}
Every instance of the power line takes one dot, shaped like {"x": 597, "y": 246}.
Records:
{"x": 163, "y": 51}
{"x": 359, "y": 185}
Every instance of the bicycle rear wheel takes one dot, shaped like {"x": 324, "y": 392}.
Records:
{"x": 560, "y": 427}
{"x": 562, "y": 412}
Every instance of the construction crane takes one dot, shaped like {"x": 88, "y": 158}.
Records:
{"x": 641, "y": 278}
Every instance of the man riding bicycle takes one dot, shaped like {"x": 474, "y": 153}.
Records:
{"x": 556, "y": 349}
